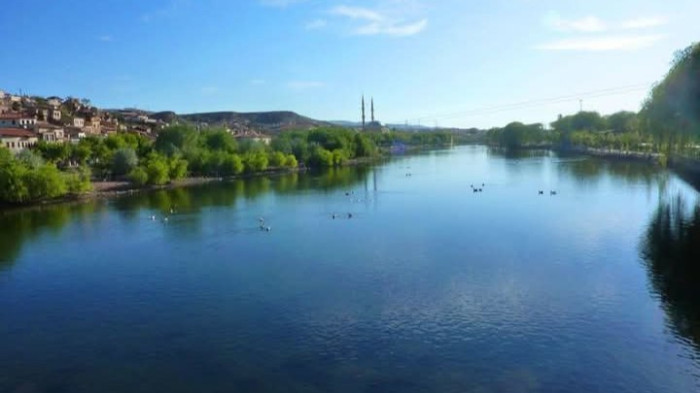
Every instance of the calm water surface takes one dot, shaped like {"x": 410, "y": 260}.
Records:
{"x": 427, "y": 288}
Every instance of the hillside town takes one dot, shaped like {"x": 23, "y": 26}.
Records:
{"x": 25, "y": 120}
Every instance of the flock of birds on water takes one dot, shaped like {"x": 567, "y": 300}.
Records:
{"x": 481, "y": 189}
{"x": 267, "y": 228}
{"x": 165, "y": 218}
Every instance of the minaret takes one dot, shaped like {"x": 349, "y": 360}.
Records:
{"x": 372, "y": 109}
{"x": 363, "y": 111}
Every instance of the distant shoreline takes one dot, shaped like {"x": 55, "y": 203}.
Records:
{"x": 686, "y": 168}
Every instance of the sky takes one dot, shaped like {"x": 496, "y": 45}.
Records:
{"x": 457, "y": 63}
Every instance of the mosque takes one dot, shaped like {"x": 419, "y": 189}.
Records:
{"x": 374, "y": 125}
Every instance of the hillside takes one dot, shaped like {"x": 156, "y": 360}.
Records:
{"x": 264, "y": 122}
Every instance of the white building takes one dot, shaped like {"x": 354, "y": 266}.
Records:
{"x": 16, "y": 120}
{"x": 49, "y": 132}
{"x": 17, "y": 139}
{"x": 54, "y": 101}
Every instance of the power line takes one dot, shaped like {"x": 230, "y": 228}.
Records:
{"x": 536, "y": 102}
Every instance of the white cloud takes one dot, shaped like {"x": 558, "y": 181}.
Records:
{"x": 389, "y": 22}
{"x": 356, "y": 13}
{"x": 588, "y": 24}
{"x": 644, "y": 23}
{"x": 606, "y": 43}
{"x": 396, "y": 30}
{"x": 594, "y": 24}
{"x": 316, "y": 24}
{"x": 106, "y": 38}
{"x": 304, "y": 85}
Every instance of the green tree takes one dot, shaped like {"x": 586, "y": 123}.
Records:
{"x": 30, "y": 159}
{"x": 291, "y": 161}
{"x": 176, "y": 139}
{"x": 232, "y": 165}
{"x": 138, "y": 176}
{"x": 54, "y": 152}
{"x": 255, "y": 161}
{"x": 321, "y": 157}
{"x": 178, "y": 168}
{"x": 81, "y": 153}
{"x": 623, "y": 121}
{"x": 363, "y": 146}
{"x": 12, "y": 175}
{"x": 277, "y": 159}
{"x": 158, "y": 172}
{"x": 45, "y": 182}
{"x": 219, "y": 140}
{"x": 124, "y": 160}
{"x": 671, "y": 114}
{"x": 78, "y": 182}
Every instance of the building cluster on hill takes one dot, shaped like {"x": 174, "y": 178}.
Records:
{"x": 26, "y": 120}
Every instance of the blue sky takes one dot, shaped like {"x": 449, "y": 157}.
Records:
{"x": 445, "y": 62}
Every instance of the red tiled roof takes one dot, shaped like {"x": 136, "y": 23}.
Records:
{"x": 46, "y": 125}
{"x": 16, "y": 132}
{"x": 14, "y": 116}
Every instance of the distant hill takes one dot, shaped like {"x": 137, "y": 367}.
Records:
{"x": 167, "y": 116}
{"x": 265, "y": 122}
{"x": 344, "y": 123}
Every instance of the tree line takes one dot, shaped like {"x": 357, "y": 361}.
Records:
{"x": 668, "y": 123}
{"x": 52, "y": 170}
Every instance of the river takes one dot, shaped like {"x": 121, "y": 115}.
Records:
{"x": 388, "y": 278}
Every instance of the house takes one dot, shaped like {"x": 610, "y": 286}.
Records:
{"x": 41, "y": 112}
{"x": 16, "y": 120}
{"x": 49, "y": 132}
{"x": 109, "y": 128}
{"x": 17, "y": 139}
{"x": 78, "y": 122}
{"x": 74, "y": 134}
{"x": 4, "y": 108}
{"x": 73, "y": 104}
{"x": 56, "y": 115}
{"x": 29, "y": 101}
{"x": 253, "y": 136}
{"x": 54, "y": 101}
{"x": 93, "y": 125}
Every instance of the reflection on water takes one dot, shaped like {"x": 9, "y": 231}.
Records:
{"x": 429, "y": 287}
{"x": 587, "y": 169}
{"x": 518, "y": 154}
{"x": 21, "y": 226}
{"x": 671, "y": 249}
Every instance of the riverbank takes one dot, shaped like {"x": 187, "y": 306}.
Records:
{"x": 688, "y": 169}
{"x": 111, "y": 189}
{"x": 654, "y": 158}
